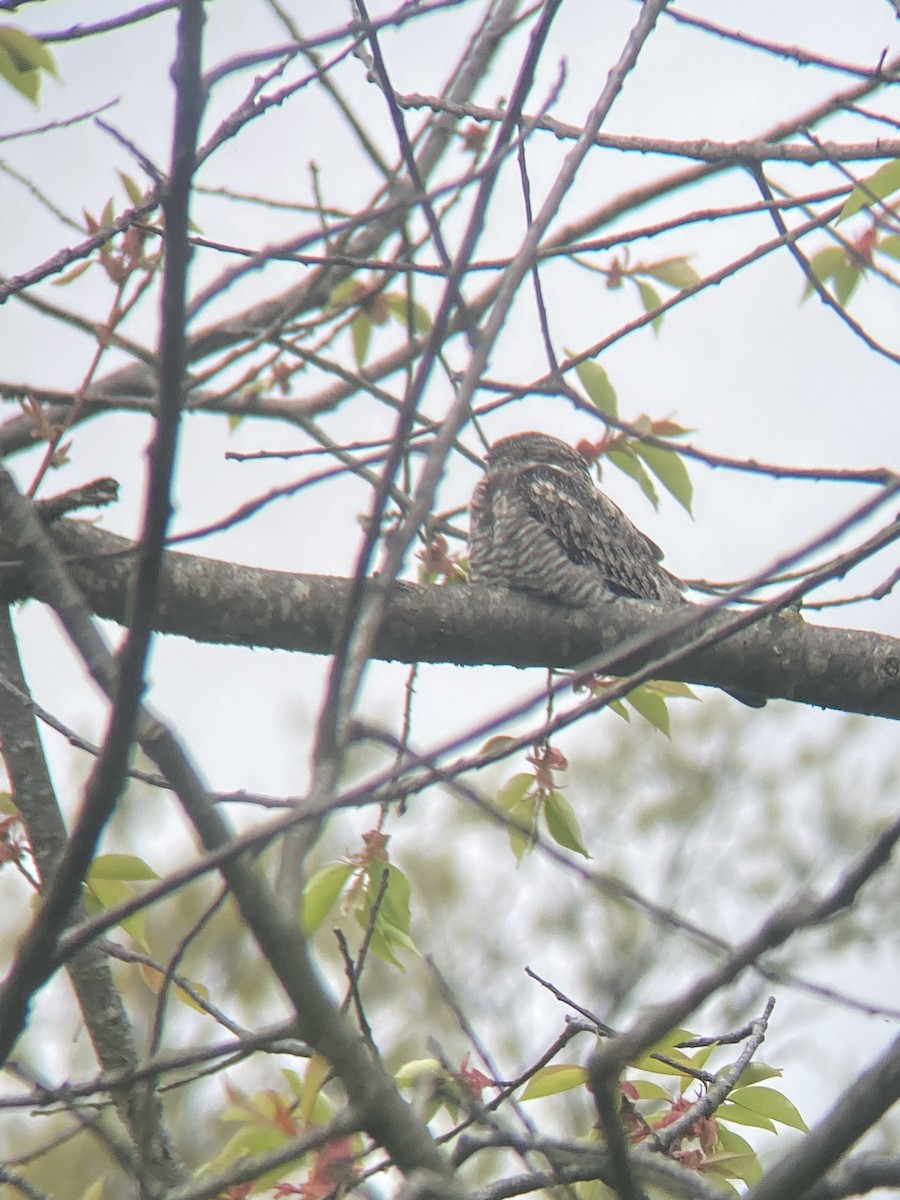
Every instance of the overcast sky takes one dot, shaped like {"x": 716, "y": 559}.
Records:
{"x": 751, "y": 370}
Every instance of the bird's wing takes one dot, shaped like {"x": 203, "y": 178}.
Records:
{"x": 482, "y": 566}
{"x": 593, "y": 531}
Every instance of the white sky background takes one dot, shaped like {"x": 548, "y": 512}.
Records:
{"x": 754, "y": 373}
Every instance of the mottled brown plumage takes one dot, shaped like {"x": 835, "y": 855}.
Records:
{"x": 538, "y": 524}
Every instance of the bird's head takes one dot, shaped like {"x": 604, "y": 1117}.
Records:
{"x": 532, "y": 449}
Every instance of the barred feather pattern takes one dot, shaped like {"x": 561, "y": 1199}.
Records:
{"x": 538, "y": 524}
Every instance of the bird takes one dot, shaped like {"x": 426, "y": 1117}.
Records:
{"x": 538, "y": 524}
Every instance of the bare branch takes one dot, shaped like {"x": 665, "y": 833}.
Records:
{"x": 851, "y": 670}
{"x": 862, "y": 1104}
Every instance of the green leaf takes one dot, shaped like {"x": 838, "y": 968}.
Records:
{"x": 596, "y": 383}
{"x": 344, "y": 293}
{"x": 563, "y": 824}
{"x": 824, "y": 264}
{"x": 28, "y": 83}
{"x": 629, "y": 464}
{"x": 593, "y": 1189}
{"x": 651, "y": 299}
{"x": 676, "y": 272}
{"x": 186, "y": 998}
{"x": 73, "y": 274}
{"x": 399, "y": 307}
{"x": 386, "y": 938}
{"x": 313, "y": 1107}
{"x": 248, "y": 1142}
{"x": 672, "y": 689}
{"x": 652, "y": 707}
{"x": 682, "y": 1063}
{"x": 884, "y": 182}
{"x": 28, "y": 52}
{"x": 701, "y": 1054}
{"x": 522, "y": 840}
{"x": 94, "y": 1191}
{"x": 294, "y": 1080}
{"x": 500, "y": 741}
{"x": 667, "y": 1046}
{"x": 719, "y": 1167}
{"x": 754, "y": 1072}
{"x": 120, "y": 866}
{"x": 421, "y": 318}
{"x": 391, "y": 928}
{"x": 649, "y": 1091}
{"x": 889, "y": 245}
{"x": 155, "y": 978}
{"x": 666, "y": 428}
{"x": 769, "y": 1103}
{"x": 434, "y": 1087}
{"x": 668, "y": 467}
{"x": 736, "y": 1156}
{"x": 550, "y": 1081}
{"x": 673, "y": 1039}
{"x": 107, "y": 893}
{"x": 22, "y": 58}
{"x": 132, "y": 190}
{"x": 720, "y": 1182}
{"x": 846, "y": 280}
{"x": 743, "y": 1116}
{"x": 361, "y": 332}
{"x": 514, "y": 791}
{"x": 418, "y": 1070}
{"x": 395, "y": 902}
{"x": 519, "y": 801}
{"x": 320, "y": 894}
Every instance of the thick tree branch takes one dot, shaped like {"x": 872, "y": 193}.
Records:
{"x": 857, "y": 1175}
{"x": 211, "y": 601}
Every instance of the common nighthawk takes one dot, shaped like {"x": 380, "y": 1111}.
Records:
{"x": 538, "y": 524}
